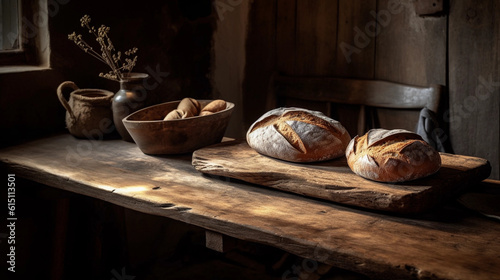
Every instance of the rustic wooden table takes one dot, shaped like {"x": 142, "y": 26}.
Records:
{"x": 449, "y": 243}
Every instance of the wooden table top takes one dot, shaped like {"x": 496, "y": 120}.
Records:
{"x": 449, "y": 243}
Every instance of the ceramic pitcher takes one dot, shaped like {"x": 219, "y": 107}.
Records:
{"x": 88, "y": 111}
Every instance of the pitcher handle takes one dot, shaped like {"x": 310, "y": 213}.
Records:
{"x": 63, "y": 100}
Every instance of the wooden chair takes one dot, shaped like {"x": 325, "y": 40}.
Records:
{"x": 367, "y": 95}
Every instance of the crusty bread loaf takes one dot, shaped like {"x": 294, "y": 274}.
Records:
{"x": 298, "y": 135}
{"x": 213, "y": 107}
{"x": 392, "y": 156}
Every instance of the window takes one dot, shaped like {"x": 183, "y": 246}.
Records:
{"x": 9, "y": 25}
{"x": 24, "y": 37}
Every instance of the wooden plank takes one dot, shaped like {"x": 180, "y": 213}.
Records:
{"x": 359, "y": 92}
{"x": 259, "y": 61}
{"x": 429, "y": 7}
{"x": 450, "y": 244}
{"x": 322, "y": 50}
{"x": 334, "y": 181}
{"x": 309, "y": 34}
{"x": 474, "y": 114}
{"x": 286, "y": 36}
{"x": 214, "y": 241}
{"x": 218, "y": 242}
{"x": 60, "y": 234}
{"x": 355, "y": 56}
{"x": 306, "y": 42}
{"x": 355, "y": 53}
{"x": 343, "y": 92}
{"x": 316, "y": 33}
{"x": 409, "y": 49}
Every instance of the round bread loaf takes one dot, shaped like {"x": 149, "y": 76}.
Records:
{"x": 298, "y": 135}
{"x": 392, "y": 156}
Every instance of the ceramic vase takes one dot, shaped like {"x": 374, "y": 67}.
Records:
{"x": 130, "y": 98}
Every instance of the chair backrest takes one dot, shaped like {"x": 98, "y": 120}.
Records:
{"x": 367, "y": 94}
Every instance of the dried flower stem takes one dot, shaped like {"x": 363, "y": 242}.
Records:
{"x": 114, "y": 61}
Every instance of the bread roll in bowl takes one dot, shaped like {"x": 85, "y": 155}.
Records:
{"x": 190, "y": 106}
{"x": 213, "y": 107}
{"x": 298, "y": 135}
{"x": 392, "y": 156}
{"x": 174, "y": 115}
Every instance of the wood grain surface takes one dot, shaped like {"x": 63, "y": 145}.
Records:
{"x": 334, "y": 181}
{"x": 474, "y": 71}
{"x": 448, "y": 243}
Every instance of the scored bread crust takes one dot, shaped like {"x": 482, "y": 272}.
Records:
{"x": 392, "y": 156}
{"x": 298, "y": 135}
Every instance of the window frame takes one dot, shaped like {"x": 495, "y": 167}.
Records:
{"x": 31, "y": 33}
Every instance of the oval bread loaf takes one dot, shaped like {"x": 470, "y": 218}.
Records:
{"x": 392, "y": 156}
{"x": 213, "y": 107}
{"x": 298, "y": 135}
{"x": 190, "y": 107}
{"x": 174, "y": 115}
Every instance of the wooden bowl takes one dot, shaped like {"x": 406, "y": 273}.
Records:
{"x": 155, "y": 136}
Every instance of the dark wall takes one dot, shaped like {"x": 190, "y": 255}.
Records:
{"x": 174, "y": 39}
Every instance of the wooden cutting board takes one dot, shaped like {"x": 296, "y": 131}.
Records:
{"x": 334, "y": 181}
